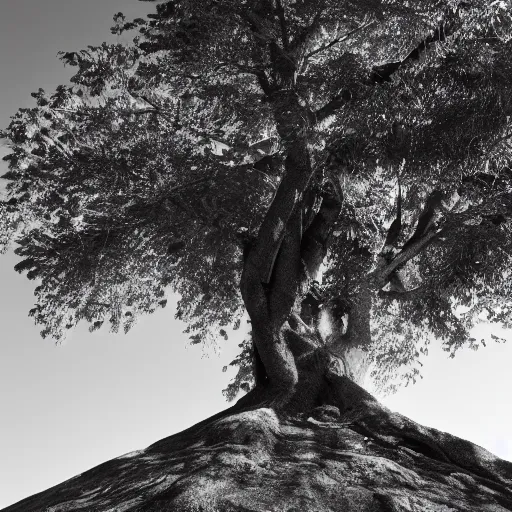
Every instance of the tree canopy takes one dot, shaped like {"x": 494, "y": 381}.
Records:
{"x": 155, "y": 169}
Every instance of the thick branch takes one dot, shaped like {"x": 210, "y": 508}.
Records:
{"x": 316, "y": 237}
{"x": 273, "y": 228}
{"x": 426, "y": 232}
{"x": 405, "y": 295}
{"x": 292, "y": 127}
{"x": 383, "y": 73}
{"x": 287, "y": 273}
{"x": 276, "y": 357}
{"x": 251, "y": 70}
{"x": 382, "y": 274}
{"x": 395, "y": 229}
{"x": 313, "y": 251}
{"x": 264, "y": 82}
{"x": 427, "y": 217}
{"x": 423, "y": 234}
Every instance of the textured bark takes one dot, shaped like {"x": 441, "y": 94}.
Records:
{"x": 273, "y": 269}
{"x": 349, "y": 455}
{"x": 278, "y": 275}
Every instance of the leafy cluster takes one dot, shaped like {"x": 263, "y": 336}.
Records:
{"x": 106, "y": 191}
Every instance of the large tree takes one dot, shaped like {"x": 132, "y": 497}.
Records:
{"x": 338, "y": 170}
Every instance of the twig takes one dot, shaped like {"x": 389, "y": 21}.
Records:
{"x": 339, "y": 39}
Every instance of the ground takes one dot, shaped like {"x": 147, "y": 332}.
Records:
{"x": 358, "y": 457}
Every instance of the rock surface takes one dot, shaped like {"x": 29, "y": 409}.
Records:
{"x": 255, "y": 461}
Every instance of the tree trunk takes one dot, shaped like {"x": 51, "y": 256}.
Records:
{"x": 278, "y": 280}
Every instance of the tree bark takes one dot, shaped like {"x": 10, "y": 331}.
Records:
{"x": 273, "y": 270}
{"x": 279, "y": 275}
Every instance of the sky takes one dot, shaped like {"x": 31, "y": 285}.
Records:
{"x": 67, "y": 408}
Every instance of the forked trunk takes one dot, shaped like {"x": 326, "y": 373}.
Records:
{"x": 279, "y": 286}
{"x": 315, "y": 350}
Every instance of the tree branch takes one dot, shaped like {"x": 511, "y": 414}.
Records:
{"x": 257, "y": 72}
{"x": 316, "y": 237}
{"x": 282, "y": 21}
{"x": 287, "y": 272}
{"x": 252, "y": 20}
{"x": 426, "y": 232}
{"x": 330, "y": 108}
{"x": 405, "y": 295}
{"x": 339, "y": 39}
{"x": 383, "y": 73}
{"x": 242, "y": 67}
{"x": 157, "y": 108}
{"x": 273, "y": 227}
{"x": 427, "y": 217}
{"x": 381, "y": 275}
{"x": 304, "y": 35}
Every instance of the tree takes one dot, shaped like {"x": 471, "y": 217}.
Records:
{"x": 338, "y": 170}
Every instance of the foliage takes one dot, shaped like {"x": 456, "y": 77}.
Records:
{"x": 244, "y": 379}
{"x": 154, "y": 168}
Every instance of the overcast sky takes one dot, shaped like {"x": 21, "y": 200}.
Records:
{"x": 65, "y": 409}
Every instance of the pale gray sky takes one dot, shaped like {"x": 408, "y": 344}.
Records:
{"x": 66, "y": 409}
